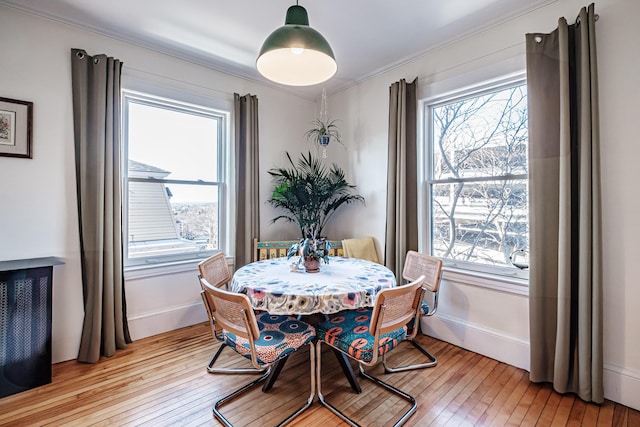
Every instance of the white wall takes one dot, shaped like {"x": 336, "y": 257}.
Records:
{"x": 37, "y": 197}
{"x": 38, "y": 215}
{"x": 495, "y": 322}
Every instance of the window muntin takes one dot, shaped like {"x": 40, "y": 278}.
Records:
{"x": 477, "y": 177}
{"x": 174, "y": 179}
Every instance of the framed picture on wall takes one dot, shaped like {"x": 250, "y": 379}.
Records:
{"x": 16, "y": 123}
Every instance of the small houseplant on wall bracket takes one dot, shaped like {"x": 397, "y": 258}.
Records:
{"x": 309, "y": 194}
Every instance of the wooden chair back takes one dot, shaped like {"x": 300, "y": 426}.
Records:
{"x": 269, "y": 249}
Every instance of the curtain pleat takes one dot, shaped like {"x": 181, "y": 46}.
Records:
{"x": 402, "y": 194}
{"x": 247, "y": 176}
{"x": 96, "y": 118}
{"x": 565, "y": 282}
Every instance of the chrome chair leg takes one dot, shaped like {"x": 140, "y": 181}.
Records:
{"x": 433, "y": 361}
{"x": 312, "y": 395}
{"x": 375, "y": 380}
{"x": 212, "y": 370}
{"x": 319, "y": 390}
{"x": 397, "y": 392}
{"x": 231, "y": 396}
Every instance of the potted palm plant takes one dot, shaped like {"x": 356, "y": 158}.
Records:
{"x": 309, "y": 194}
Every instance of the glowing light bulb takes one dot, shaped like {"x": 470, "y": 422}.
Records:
{"x": 297, "y": 50}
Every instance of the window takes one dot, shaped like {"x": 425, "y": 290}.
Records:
{"x": 476, "y": 175}
{"x": 174, "y": 169}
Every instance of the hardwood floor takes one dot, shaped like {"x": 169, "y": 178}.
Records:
{"x": 162, "y": 381}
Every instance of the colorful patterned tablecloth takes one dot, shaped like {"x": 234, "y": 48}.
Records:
{"x": 344, "y": 283}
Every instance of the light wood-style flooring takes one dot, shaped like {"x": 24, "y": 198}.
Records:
{"x": 162, "y": 381}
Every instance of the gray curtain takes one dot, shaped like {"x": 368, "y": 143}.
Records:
{"x": 96, "y": 123}
{"x": 565, "y": 285}
{"x": 247, "y": 182}
{"x": 402, "y": 194}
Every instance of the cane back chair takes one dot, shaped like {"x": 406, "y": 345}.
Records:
{"x": 366, "y": 335}
{"x": 417, "y": 264}
{"x": 216, "y": 272}
{"x": 262, "y": 338}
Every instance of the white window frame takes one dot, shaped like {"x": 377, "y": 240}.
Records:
{"x": 143, "y": 91}
{"x": 508, "y": 279}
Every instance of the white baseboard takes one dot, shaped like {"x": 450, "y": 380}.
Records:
{"x": 149, "y": 324}
{"x": 621, "y": 385}
{"x": 477, "y": 338}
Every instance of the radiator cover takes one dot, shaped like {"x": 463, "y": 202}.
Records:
{"x": 25, "y": 328}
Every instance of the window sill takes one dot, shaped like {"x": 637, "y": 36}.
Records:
{"x": 144, "y": 271}
{"x": 512, "y": 285}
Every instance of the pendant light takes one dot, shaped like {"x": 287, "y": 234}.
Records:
{"x": 296, "y": 54}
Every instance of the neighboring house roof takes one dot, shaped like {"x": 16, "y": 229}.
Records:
{"x": 153, "y": 229}
{"x": 142, "y": 170}
{"x": 150, "y": 213}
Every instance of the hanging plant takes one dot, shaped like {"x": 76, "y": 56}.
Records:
{"x": 323, "y": 132}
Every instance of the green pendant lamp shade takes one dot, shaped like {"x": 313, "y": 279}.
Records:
{"x": 296, "y": 54}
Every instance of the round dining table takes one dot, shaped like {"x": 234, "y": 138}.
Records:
{"x": 281, "y": 286}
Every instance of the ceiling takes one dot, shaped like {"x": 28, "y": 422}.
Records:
{"x": 367, "y": 36}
